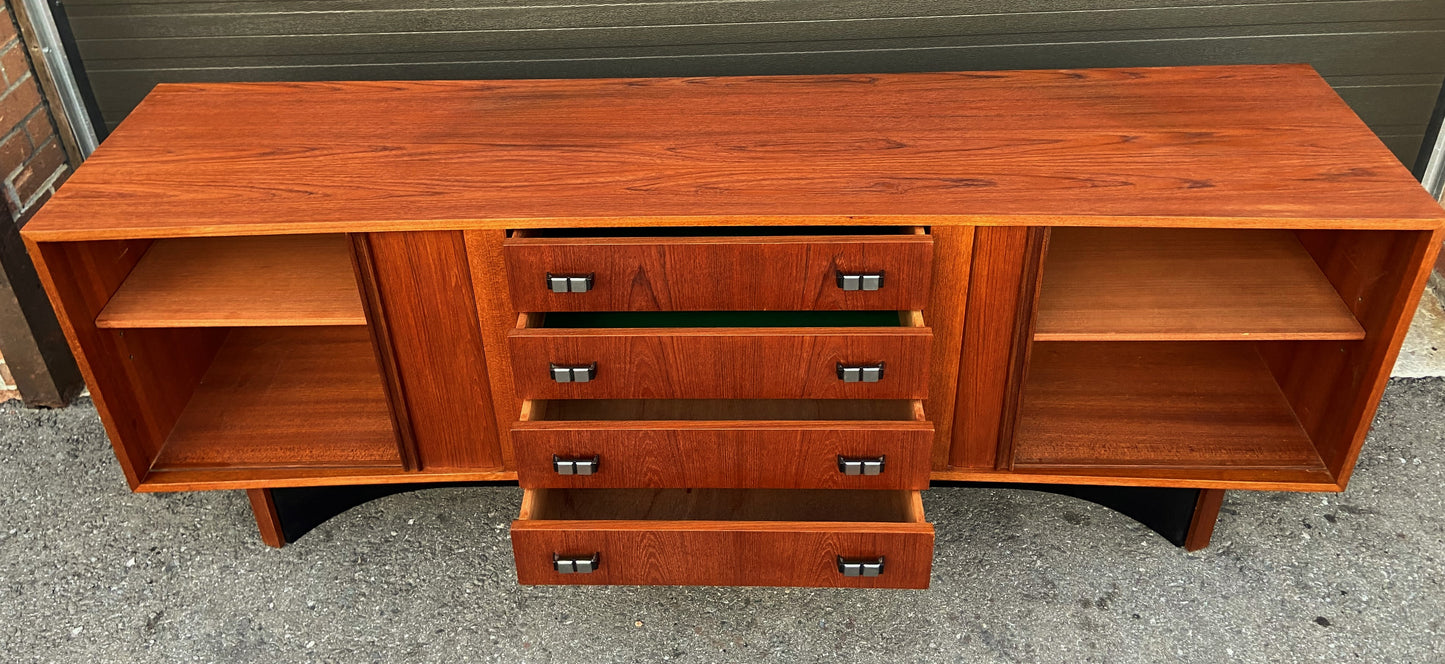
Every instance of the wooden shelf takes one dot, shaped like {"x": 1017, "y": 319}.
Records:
{"x": 1163, "y": 405}
{"x": 1152, "y": 284}
{"x": 304, "y": 398}
{"x": 239, "y": 281}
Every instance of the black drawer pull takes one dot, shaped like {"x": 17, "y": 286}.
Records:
{"x": 578, "y": 565}
{"x": 866, "y": 281}
{"x": 569, "y": 283}
{"x": 574, "y": 374}
{"x": 861, "y": 465}
{"x": 576, "y": 466}
{"x": 860, "y": 566}
{"x": 864, "y": 373}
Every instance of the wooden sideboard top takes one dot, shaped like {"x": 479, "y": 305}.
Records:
{"x": 1242, "y": 146}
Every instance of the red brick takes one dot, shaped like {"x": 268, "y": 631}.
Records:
{"x": 37, "y": 171}
{"x": 7, "y": 27}
{"x": 39, "y": 126}
{"x": 17, "y": 104}
{"x": 14, "y": 63}
{"x": 13, "y": 152}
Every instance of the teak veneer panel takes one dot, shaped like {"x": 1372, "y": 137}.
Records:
{"x": 768, "y": 455}
{"x": 420, "y": 288}
{"x": 141, "y": 380}
{"x": 787, "y": 273}
{"x": 239, "y": 281}
{"x": 723, "y": 505}
{"x": 1142, "y": 405}
{"x": 721, "y": 363}
{"x": 286, "y": 398}
{"x": 945, "y": 313}
{"x": 1102, "y": 284}
{"x": 1335, "y": 386}
{"x": 722, "y": 537}
{"x": 565, "y": 410}
{"x": 998, "y": 310}
{"x": 1179, "y": 146}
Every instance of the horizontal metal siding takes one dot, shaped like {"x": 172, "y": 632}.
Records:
{"x": 1384, "y": 56}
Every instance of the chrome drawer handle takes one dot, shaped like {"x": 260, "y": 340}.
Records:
{"x": 861, "y": 465}
{"x": 860, "y": 566}
{"x": 580, "y": 565}
{"x": 576, "y": 466}
{"x": 866, "y": 373}
{"x": 570, "y": 283}
{"x": 866, "y": 281}
{"x": 574, "y": 374}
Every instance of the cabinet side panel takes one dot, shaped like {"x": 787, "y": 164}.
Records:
{"x": 424, "y": 289}
{"x": 1335, "y": 386}
{"x": 496, "y": 315}
{"x": 1006, "y": 261}
{"x": 140, "y": 379}
{"x": 952, "y": 258}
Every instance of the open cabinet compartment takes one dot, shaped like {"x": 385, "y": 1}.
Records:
{"x": 1213, "y": 376}
{"x": 223, "y": 360}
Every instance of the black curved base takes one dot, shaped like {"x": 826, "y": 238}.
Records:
{"x": 301, "y": 509}
{"x": 1168, "y": 512}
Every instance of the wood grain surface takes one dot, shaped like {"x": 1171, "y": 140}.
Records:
{"x": 1316, "y": 480}
{"x": 1156, "y": 404}
{"x": 747, "y": 538}
{"x": 1206, "y": 514}
{"x": 286, "y": 398}
{"x": 788, "y": 273}
{"x": 140, "y": 380}
{"x": 1103, "y": 284}
{"x": 239, "y": 281}
{"x": 1000, "y": 298}
{"x": 945, "y": 313}
{"x": 191, "y": 479}
{"x": 263, "y": 507}
{"x": 1181, "y": 146}
{"x": 424, "y": 288}
{"x": 780, "y": 454}
{"x": 722, "y": 363}
{"x": 1335, "y": 386}
{"x": 497, "y": 316}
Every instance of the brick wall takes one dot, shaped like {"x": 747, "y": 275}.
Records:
{"x": 32, "y": 164}
{"x": 32, "y": 158}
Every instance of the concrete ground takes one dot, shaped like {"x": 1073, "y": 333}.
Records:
{"x": 92, "y": 573}
{"x": 1423, "y": 352}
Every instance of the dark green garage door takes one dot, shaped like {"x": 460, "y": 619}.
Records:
{"x": 1386, "y": 57}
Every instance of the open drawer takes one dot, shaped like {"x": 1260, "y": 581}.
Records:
{"x": 721, "y": 537}
{"x": 701, "y": 269}
{"x": 701, "y": 443}
{"x": 722, "y": 355}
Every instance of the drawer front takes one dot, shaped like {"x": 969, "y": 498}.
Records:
{"x": 719, "y": 274}
{"x": 768, "y": 455}
{"x": 738, "y": 363}
{"x": 723, "y": 553}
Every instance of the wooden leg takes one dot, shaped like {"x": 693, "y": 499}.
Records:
{"x": 1206, "y": 513}
{"x": 267, "y": 520}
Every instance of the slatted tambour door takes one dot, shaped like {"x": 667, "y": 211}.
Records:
{"x": 1382, "y": 55}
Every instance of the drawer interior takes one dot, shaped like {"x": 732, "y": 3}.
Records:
{"x": 639, "y": 319}
{"x": 716, "y": 231}
{"x": 565, "y": 410}
{"x": 830, "y": 505}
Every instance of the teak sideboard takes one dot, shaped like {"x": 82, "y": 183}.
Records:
{"x": 726, "y": 330}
